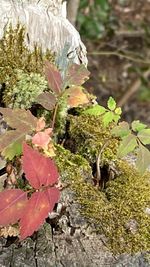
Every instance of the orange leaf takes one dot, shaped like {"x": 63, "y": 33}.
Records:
{"x": 40, "y": 124}
{"x": 12, "y": 205}
{"x": 76, "y": 96}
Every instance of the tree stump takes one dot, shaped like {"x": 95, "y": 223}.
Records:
{"x": 67, "y": 239}
{"x": 46, "y": 25}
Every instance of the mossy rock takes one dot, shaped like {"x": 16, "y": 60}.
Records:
{"x": 120, "y": 212}
{"x": 90, "y": 138}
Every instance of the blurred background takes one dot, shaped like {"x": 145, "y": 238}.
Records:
{"x": 117, "y": 36}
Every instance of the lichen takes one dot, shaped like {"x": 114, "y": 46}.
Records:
{"x": 26, "y": 90}
{"x": 89, "y": 136}
{"x": 14, "y": 56}
{"x": 120, "y": 211}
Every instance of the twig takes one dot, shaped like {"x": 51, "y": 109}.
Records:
{"x": 98, "y": 162}
{"x": 132, "y": 89}
{"x": 54, "y": 116}
{"x": 118, "y": 54}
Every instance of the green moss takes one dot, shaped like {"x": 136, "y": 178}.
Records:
{"x": 119, "y": 212}
{"x": 90, "y": 136}
{"x": 14, "y": 56}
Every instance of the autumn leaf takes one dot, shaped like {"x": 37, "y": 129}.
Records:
{"x": 22, "y": 122}
{"x": 54, "y": 77}
{"x": 47, "y": 100}
{"x": 19, "y": 118}
{"x": 41, "y": 170}
{"x": 11, "y": 144}
{"x": 40, "y": 124}
{"x": 12, "y": 205}
{"x": 76, "y": 75}
{"x": 49, "y": 131}
{"x": 76, "y": 96}
{"x": 41, "y": 139}
{"x": 37, "y": 209}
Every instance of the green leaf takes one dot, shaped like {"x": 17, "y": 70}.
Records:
{"x": 96, "y": 110}
{"x": 118, "y": 111}
{"x": 116, "y": 118}
{"x": 121, "y": 130}
{"x": 14, "y": 149}
{"x": 137, "y": 126}
{"x": 127, "y": 145}
{"x": 108, "y": 118}
{"x": 111, "y": 103}
{"x": 144, "y": 136}
{"x": 143, "y": 159}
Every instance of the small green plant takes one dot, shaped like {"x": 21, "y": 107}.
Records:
{"x": 111, "y": 114}
{"x": 134, "y": 138}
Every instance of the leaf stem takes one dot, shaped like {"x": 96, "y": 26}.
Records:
{"x": 54, "y": 116}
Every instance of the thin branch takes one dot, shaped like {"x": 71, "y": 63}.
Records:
{"x": 98, "y": 162}
{"x": 54, "y": 116}
{"x": 118, "y": 54}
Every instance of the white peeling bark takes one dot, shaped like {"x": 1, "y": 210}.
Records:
{"x": 46, "y": 24}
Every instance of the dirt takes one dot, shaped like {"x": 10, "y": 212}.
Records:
{"x": 115, "y": 75}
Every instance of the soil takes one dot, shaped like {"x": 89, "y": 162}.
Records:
{"x": 115, "y": 75}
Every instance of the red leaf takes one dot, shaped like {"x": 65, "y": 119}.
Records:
{"x": 76, "y": 75}
{"x": 39, "y": 170}
{"x": 53, "y": 195}
{"x": 47, "y": 100}
{"x": 37, "y": 209}
{"x": 12, "y": 205}
{"x": 54, "y": 78}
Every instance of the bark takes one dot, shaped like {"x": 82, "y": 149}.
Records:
{"x": 45, "y": 24}
{"x": 68, "y": 241}
{"x": 72, "y": 9}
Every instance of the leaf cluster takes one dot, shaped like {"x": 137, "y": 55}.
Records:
{"x": 109, "y": 115}
{"x": 135, "y": 137}
{"x": 32, "y": 207}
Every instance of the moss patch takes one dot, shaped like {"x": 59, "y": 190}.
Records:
{"x": 89, "y": 136}
{"x": 15, "y": 56}
{"x": 119, "y": 212}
